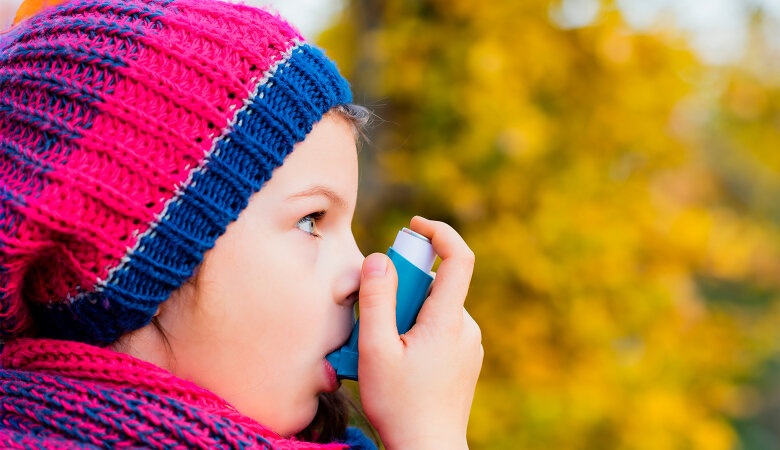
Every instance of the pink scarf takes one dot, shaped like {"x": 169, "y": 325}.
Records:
{"x": 61, "y": 394}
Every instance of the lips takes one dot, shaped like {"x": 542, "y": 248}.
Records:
{"x": 330, "y": 371}
{"x": 330, "y": 376}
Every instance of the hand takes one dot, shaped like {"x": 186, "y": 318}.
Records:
{"x": 417, "y": 389}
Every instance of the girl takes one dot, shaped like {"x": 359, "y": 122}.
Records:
{"x": 177, "y": 184}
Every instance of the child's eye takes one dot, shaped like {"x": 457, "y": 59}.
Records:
{"x": 309, "y": 223}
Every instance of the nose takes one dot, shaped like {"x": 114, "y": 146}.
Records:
{"x": 350, "y": 286}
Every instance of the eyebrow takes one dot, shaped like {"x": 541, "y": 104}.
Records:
{"x": 322, "y": 191}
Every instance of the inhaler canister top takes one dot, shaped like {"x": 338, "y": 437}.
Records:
{"x": 416, "y": 248}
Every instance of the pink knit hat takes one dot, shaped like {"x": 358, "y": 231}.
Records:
{"x": 131, "y": 133}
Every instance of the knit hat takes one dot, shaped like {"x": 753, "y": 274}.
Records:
{"x": 132, "y": 132}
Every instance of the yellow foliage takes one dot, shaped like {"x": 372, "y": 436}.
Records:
{"x": 622, "y": 201}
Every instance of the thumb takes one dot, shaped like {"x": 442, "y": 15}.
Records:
{"x": 378, "y": 287}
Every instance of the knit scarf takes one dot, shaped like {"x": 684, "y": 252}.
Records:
{"x": 63, "y": 394}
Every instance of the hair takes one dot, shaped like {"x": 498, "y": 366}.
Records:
{"x": 334, "y": 410}
{"x": 358, "y": 116}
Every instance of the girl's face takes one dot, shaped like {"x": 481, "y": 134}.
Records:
{"x": 275, "y": 294}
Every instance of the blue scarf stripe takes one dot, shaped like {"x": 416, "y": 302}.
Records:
{"x": 33, "y": 396}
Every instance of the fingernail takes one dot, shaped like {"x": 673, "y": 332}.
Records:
{"x": 375, "y": 265}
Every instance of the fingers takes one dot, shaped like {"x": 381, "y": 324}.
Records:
{"x": 378, "y": 286}
{"x": 450, "y": 287}
{"x": 474, "y": 334}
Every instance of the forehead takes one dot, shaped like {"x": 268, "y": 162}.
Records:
{"x": 328, "y": 157}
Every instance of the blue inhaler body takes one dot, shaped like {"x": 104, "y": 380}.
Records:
{"x": 413, "y": 256}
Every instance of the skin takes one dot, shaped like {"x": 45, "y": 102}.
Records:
{"x": 417, "y": 389}
{"x": 271, "y": 300}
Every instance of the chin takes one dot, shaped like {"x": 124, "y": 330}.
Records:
{"x": 297, "y": 420}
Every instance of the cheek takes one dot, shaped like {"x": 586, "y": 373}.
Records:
{"x": 269, "y": 267}
{"x": 281, "y": 292}
{"x": 271, "y": 295}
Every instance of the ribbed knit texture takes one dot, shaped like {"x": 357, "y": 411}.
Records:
{"x": 131, "y": 133}
{"x": 59, "y": 394}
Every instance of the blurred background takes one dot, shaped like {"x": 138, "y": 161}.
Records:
{"x": 615, "y": 166}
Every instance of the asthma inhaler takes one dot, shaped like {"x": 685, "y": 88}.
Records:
{"x": 413, "y": 256}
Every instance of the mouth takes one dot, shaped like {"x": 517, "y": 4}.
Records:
{"x": 333, "y": 382}
{"x": 332, "y": 356}
{"x": 331, "y": 362}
